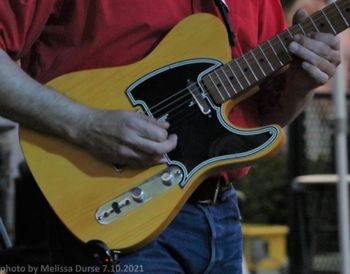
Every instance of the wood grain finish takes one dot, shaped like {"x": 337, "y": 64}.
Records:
{"x": 76, "y": 184}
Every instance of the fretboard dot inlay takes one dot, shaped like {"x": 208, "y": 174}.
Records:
{"x": 240, "y": 75}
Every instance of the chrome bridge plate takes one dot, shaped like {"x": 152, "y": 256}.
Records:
{"x": 138, "y": 196}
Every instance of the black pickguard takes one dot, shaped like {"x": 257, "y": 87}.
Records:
{"x": 201, "y": 138}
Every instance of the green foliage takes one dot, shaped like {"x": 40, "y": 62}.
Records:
{"x": 267, "y": 192}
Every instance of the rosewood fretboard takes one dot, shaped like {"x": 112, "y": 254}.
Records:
{"x": 253, "y": 67}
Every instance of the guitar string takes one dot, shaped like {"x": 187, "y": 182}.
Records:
{"x": 175, "y": 94}
{"x": 162, "y": 103}
{"x": 176, "y": 100}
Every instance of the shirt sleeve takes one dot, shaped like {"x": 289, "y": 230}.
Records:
{"x": 271, "y": 19}
{"x": 21, "y": 23}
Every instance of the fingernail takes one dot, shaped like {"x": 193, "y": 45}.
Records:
{"x": 305, "y": 65}
{"x": 163, "y": 123}
{"x": 163, "y": 160}
{"x": 293, "y": 47}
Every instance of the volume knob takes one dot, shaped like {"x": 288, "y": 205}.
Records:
{"x": 137, "y": 194}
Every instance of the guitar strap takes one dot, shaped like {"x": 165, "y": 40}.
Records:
{"x": 224, "y": 11}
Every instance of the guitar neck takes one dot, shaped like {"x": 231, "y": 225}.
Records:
{"x": 243, "y": 73}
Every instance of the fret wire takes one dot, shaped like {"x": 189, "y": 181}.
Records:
{"x": 334, "y": 18}
{"x": 241, "y": 70}
{"x": 268, "y": 41}
{"x": 341, "y": 14}
{"x": 313, "y": 23}
{"x": 290, "y": 34}
{"x": 256, "y": 78}
{"x": 268, "y": 61}
{"x": 301, "y": 28}
{"x": 234, "y": 74}
{"x": 329, "y": 22}
{"x": 228, "y": 80}
{"x": 344, "y": 5}
{"x": 207, "y": 87}
{"x": 222, "y": 84}
{"x": 256, "y": 60}
{"x": 211, "y": 79}
{"x": 283, "y": 45}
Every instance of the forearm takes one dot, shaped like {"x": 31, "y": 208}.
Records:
{"x": 34, "y": 105}
{"x": 115, "y": 136}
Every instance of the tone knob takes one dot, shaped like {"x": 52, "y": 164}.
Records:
{"x": 167, "y": 178}
{"x": 137, "y": 194}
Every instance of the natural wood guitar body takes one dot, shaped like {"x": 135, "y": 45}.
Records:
{"x": 76, "y": 184}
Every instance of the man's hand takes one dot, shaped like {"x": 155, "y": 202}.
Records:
{"x": 319, "y": 55}
{"x": 125, "y": 137}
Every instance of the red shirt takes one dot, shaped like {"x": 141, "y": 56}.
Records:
{"x": 53, "y": 37}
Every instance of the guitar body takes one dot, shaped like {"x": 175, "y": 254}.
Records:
{"x": 127, "y": 209}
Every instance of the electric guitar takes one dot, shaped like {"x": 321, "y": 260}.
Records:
{"x": 200, "y": 83}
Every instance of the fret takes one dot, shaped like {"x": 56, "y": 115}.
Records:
{"x": 320, "y": 20}
{"x": 295, "y": 30}
{"x": 290, "y": 34}
{"x": 313, "y": 23}
{"x": 283, "y": 45}
{"x": 274, "y": 51}
{"x": 257, "y": 62}
{"x": 228, "y": 80}
{"x": 216, "y": 87}
{"x": 242, "y": 72}
{"x": 252, "y": 71}
{"x": 207, "y": 85}
{"x": 334, "y": 18}
{"x": 344, "y": 6}
{"x": 329, "y": 22}
{"x": 301, "y": 28}
{"x": 257, "y": 71}
{"x": 281, "y": 49}
{"x": 234, "y": 75}
{"x": 341, "y": 14}
{"x": 268, "y": 61}
{"x": 222, "y": 83}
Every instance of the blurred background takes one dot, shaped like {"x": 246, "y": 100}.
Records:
{"x": 288, "y": 204}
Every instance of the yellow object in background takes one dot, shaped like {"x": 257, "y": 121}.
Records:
{"x": 265, "y": 246}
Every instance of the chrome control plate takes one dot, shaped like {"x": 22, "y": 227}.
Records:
{"x": 137, "y": 196}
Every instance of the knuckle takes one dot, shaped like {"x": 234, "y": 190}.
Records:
{"x": 158, "y": 150}
{"x": 123, "y": 151}
{"x": 337, "y": 59}
{"x": 324, "y": 50}
{"x": 163, "y": 135}
{"x": 336, "y": 41}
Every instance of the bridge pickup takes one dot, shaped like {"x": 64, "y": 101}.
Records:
{"x": 198, "y": 97}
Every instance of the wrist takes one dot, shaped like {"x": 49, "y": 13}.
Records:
{"x": 76, "y": 126}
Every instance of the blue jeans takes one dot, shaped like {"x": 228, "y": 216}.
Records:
{"x": 201, "y": 239}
